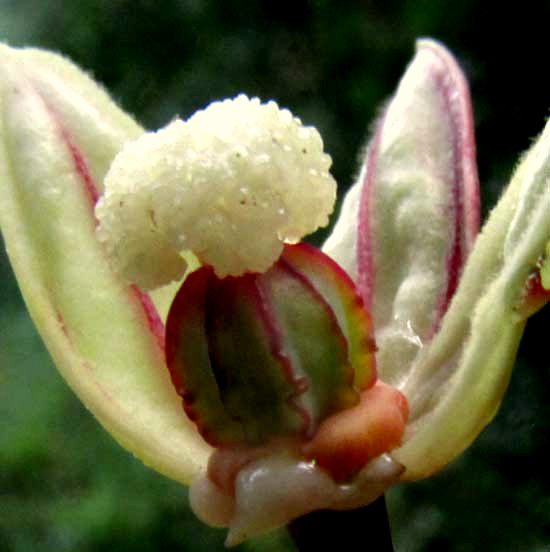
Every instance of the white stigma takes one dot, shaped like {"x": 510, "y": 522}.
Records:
{"x": 232, "y": 184}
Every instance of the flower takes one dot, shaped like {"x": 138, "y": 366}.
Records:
{"x": 448, "y": 308}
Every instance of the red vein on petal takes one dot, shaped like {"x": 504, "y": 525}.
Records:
{"x": 265, "y": 309}
{"x": 298, "y": 254}
{"x": 154, "y": 321}
{"x": 81, "y": 166}
{"x": 465, "y": 186}
{"x": 283, "y": 264}
{"x": 83, "y": 363}
{"x": 365, "y": 263}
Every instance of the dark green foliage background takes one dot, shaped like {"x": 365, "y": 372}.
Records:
{"x": 64, "y": 483}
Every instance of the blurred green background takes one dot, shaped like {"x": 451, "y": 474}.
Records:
{"x": 64, "y": 483}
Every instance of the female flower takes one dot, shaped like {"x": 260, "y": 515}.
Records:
{"x": 446, "y": 334}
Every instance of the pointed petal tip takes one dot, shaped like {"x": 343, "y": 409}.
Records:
{"x": 418, "y": 212}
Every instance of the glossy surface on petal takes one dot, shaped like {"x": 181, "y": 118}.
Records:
{"x": 313, "y": 342}
{"x": 257, "y": 384}
{"x": 330, "y": 280}
{"x": 190, "y": 366}
{"x": 346, "y": 441}
{"x": 273, "y": 490}
{"x": 224, "y": 361}
{"x": 264, "y": 355}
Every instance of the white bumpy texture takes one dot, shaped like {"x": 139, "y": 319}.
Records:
{"x": 232, "y": 184}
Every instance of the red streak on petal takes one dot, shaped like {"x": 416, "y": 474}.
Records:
{"x": 464, "y": 208}
{"x": 311, "y": 263}
{"x": 81, "y": 167}
{"x": 83, "y": 363}
{"x": 62, "y": 325}
{"x": 91, "y": 190}
{"x": 365, "y": 263}
{"x": 189, "y": 304}
{"x": 318, "y": 297}
{"x": 464, "y": 186}
{"x": 79, "y": 160}
{"x": 265, "y": 310}
{"x": 153, "y": 319}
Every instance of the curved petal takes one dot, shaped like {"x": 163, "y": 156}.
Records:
{"x": 414, "y": 213}
{"x": 454, "y": 379}
{"x": 458, "y": 381}
{"x": 59, "y": 132}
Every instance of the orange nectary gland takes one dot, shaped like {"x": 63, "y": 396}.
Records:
{"x": 342, "y": 445}
{"x": 347, "y": 440}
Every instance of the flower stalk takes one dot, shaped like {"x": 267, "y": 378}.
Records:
{"x": 333, "y": 529}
